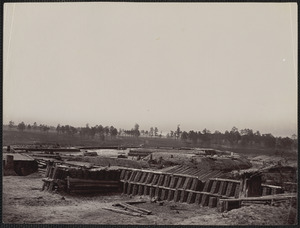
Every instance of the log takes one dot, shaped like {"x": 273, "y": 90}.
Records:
{"x": 136, "y": 202}
{"x": 212, "y": 202}
{"x": 133, "y": 208}
{"x": 93, "y": 186}
{"x": 191, "y": 197}
{"x": 170, "y": 195}
{"x": 87, "y": 191}
{"x": 89, "y": 181}
{"x": 47, "y": 179}
{"x": 122, "y": 211}
{"x": 198, "y": 198}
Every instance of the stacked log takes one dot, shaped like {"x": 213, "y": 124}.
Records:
{"x": 271, "y": 189}
{"x": 42, "y": 166}
{"x": 178, "y": 187}
{"x": 229, "y": 204}
{"x": 82, "y": 186}
{"x": 72, "y": 179}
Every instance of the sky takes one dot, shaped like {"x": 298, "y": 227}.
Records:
{"x": 200, "y": 65}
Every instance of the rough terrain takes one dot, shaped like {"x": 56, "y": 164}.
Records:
{"x": 24, "y": 202}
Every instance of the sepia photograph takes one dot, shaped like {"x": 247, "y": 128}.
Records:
{"x": 150, "y": 113}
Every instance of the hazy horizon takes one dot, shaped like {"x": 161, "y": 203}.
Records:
{"x": 200, "y": 65}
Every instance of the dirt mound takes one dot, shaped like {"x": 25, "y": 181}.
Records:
{"x": 251, "y": 215}
{"x": 104, "y": 161}
{"x": 204, "y": 162}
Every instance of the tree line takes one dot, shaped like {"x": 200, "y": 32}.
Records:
{"x": 87, "y": 131}
{"x": 234, "y": 137}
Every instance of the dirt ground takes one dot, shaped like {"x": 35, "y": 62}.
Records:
{"x": 25, "y": 203}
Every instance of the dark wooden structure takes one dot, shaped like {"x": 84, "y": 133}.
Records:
{"x": 21, "y": 164}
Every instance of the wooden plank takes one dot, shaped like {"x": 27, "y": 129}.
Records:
{"x": 204, "y": 200}
{"x": 212, "y": 202}
{"x": 171, "y": 193}
{"x": 143, "y": 178}
{"x": 140, "y": 190}
{"x": 48, "y": 169}
{"x": 167, "y": 181}
{"x": 134, "y": 208}
{"x": 125, "y": 186}
{"x": 149, "y": 178}
{"x": 194, "y": 184}
{"x": 122, "y": 211}
{"x": 215, "y": 187}
{"x": 229, "y": 189}
{"x": 207, "y": 185}
{"x": 173, "y": 181}
{"x": 146, "y": 190}
{"x": 180, "y": 182}
{"x": 224, "y": 189}
{"x": 226, "y": 180}
{"x": 191, "y": 197}
{"x": 53, "y": 176}
{"x": 138, "y": 176}
{"x": 183, "y": 196}
{"x": 129, "y": 189}
{"x": 134, "y": 189}
{"x": 122, "y": 175}
{"x": 264, "y": 191}
{"x": 132, "y": 176}
{"x": 102, "y": 187}
{"x": 237, "y": 191}
{"x": 127, "y": 175}
{"x": 160, "y": 180}
{"x": 152, "y": 191}
{"x": 270, "y": 197}
{"x": 271, "y": 186}
{"x": 136, "y": 202}
{"x": 164, "y": 194}
{"x": 187, "y": 183}
{"x": 155, "y": 179}
{"x": 177, "y": 195}
{"x": 198, "y": 198}
{"x": 157, "y": 192}
{"x": 90, "y": 181}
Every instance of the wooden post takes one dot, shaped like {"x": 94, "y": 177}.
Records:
{"x": 229, "y": 189}
{"x": 212, "y": 202}
{"x": 183, "y": 197}
{"x": 177, "y": 195}
{"x": 198, "y": 198}
{"x": 125, "y": 185}
{"x": 191, "y": 197}
{"x": 164, "y": 194}
{"x": 222, "y": 189}
{"x": 9, "y": 166}
{"x": 152, "y": 192}
{"x": 204, "y": 200}
{"x": 140, "y": 190}
{"x": 122, "y": 174}
{"x": 207, "y": 185}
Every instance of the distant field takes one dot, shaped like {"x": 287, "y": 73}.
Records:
{"x": 13, "y": 137}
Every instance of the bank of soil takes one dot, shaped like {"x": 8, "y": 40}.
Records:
{"x": 24, "y": 202}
